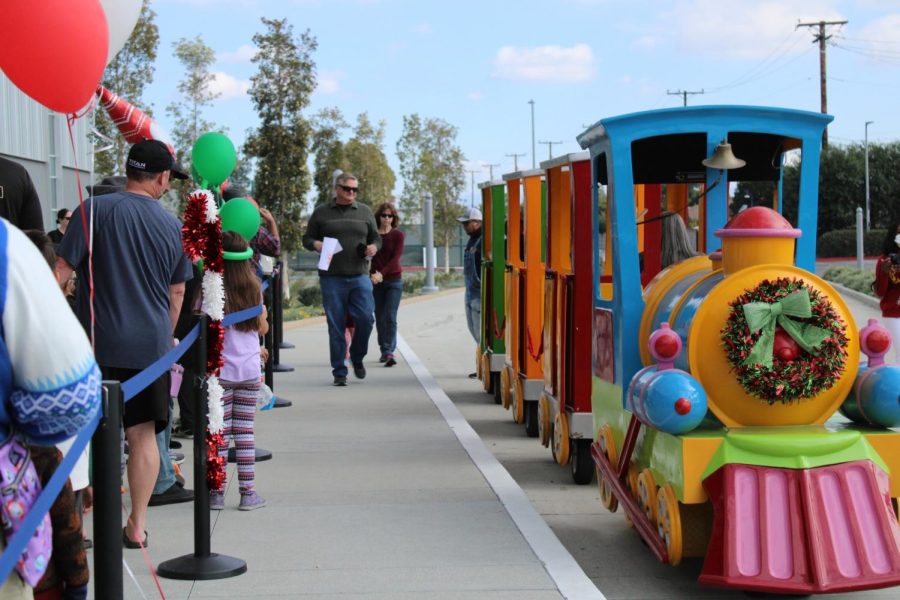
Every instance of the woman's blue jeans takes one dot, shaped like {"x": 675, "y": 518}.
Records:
{"x": 387, "y": 301}
{"x": 342, "y": 297}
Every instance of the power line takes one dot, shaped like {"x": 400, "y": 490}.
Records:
{"x": 515, "y": 158}
{"x": 683, "y": 93}
{"x": 491, "y": 170}
{"x": 757, "y": 71}
{"x": 821, "y": 38}
{"x": 550, "y": 146}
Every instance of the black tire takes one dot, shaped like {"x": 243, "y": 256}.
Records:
{"x": 531, "y": 418}
{"x": 582, "y": 462}
{"x": 495, "y": 386}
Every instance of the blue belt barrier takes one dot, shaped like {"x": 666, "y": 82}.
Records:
{"x": 130, "y": 388}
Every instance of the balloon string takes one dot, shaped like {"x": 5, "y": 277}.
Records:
{"x": 70, "y": 121}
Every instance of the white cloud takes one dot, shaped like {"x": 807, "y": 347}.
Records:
{"x": 329, "y": 82}
{"x": 737, "y": 28}
{"x": 647, "y": 42}
{"x": 228, "y": 86}
{"x": 244, "y": 53}
{"x": 474, "y": 96}
{"x": 422, "y": 28}
{"x": 545, "y": 63}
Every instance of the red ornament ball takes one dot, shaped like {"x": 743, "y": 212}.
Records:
{"x": 878, "y": 341}
{"x": 666, "y": 346}
{"x": 785, "y": 347}
{"x": 682, "y": 406}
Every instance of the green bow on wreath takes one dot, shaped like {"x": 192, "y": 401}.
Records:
{"x": 764, "y": 316}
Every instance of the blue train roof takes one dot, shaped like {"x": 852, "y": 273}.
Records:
{"x": 764, "y": 119}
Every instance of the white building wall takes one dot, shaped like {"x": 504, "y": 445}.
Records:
{"x": 38, "y": 138}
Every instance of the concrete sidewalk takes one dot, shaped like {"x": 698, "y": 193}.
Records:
{"x": 371, "y": 495}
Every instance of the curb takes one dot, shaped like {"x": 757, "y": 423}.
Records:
{"x": 858, "y": 296}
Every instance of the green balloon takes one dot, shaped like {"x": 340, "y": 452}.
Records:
{"x": 213, "y": 157}
{"x": 241, "y": 216}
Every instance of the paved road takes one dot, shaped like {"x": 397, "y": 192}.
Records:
{"x": 607, "y": 549}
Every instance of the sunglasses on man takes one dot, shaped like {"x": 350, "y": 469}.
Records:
{"x": 348, "y": 189}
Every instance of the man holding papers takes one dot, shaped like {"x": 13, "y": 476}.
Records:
{"x": 344, "y": 232}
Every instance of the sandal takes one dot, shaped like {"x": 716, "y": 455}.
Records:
{"x": 126, "y": 541}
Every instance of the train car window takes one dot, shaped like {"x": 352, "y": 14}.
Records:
{"x": 771, "y": 176}
{"x": 604, "y": 247}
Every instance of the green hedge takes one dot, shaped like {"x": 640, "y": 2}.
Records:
{"x": 842, "y": 242}
{"x": 861, "y": 281}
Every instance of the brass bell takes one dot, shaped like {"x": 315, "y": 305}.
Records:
{"x": 723, "y": 158}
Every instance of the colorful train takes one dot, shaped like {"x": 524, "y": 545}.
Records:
{"x": 718, "y": 394}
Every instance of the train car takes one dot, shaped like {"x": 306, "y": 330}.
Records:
{"x": 716, "y": 386}
{"x": 521, "y": 380}
{"x": 564, "y": 409}
{"x": 491, "y": 353}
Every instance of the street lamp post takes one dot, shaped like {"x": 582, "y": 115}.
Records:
{"x": 868, "y": 214}
{"x": 533, "y": 164}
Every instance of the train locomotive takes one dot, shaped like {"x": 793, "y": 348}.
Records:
{"x": 732, "y": 419}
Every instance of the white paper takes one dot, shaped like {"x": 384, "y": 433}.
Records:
{"x": 330, "y": 247}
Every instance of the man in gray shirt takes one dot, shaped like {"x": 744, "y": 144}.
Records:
{"x": 346, "y": 287}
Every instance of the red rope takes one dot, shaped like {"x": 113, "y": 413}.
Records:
{"x": 70, "y": 120}
{"x": 535, "y": 355}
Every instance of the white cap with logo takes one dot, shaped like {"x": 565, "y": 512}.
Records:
{"x": 471, "y": 214}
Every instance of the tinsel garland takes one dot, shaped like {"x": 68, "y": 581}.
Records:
{"x": 202, "y": 239}
{"x": 215, "y": 418}
{"x": 786, "y": 381}
{"x": 215, "y": 464}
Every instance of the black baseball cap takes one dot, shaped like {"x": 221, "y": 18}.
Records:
{"x": 154, "y": 156}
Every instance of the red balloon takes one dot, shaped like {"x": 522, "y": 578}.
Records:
{"x": 55, "y": 50}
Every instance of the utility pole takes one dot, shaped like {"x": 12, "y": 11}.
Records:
{"x": 550, "y": 147}
{"x": 683, "y": 93}
{"x": 533, "y": 165}
{"x": 491, "y": 169}
{"x": 515, "y": 158}
{"x": 472, "y": 173}
{"x": 868, "y": 216}
{"x": 821, "y": 38}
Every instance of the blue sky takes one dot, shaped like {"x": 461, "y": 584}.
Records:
{"x": 476, "y": 64}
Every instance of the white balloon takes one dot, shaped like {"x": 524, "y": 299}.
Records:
{"x": 121, "y": 17}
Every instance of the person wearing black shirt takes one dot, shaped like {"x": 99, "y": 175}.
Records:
{"x": 62, "y": 222}
{"x": 19, "y": 202}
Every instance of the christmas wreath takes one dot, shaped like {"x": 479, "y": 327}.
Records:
{"x": 785, "y": 341}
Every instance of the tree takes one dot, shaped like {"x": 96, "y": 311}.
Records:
{"x": 430, "y": 161}
{"x": 842, "y": 186}
{"x": 196, "y": 57}
{"x": 366, "y": 160}
{"x": 280, "y": 90}
{"x": 127, "y": 75}
{"x": 328, "y": 149}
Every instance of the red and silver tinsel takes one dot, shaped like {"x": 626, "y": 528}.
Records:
{"x": 202, "y": 239}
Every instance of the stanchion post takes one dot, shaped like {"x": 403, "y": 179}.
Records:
{"x": 201, "y": 492}
{"x": 106, "y": 454}
{"x": 275, "y": 321}
{"x": 275, "y": 313}
{"x": 202, "y": 564}
{"x": 279, "y": 328}
{"x": 268, "y": 339}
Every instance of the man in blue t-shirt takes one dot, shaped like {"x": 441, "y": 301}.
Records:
{"x": 139, "y": 270}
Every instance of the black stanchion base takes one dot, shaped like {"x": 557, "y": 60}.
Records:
{"x": 286, "y": 345}
{"x": 281, "y": 402}
{"x": 280, "y": 368}
{"x": 261, "y": 455}
{"x": 191, "y": 567}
